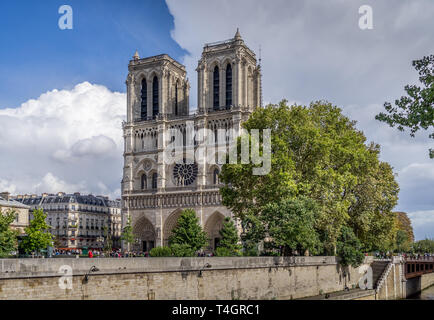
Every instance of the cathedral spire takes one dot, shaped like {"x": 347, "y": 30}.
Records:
{"x": 136, "y": 56}
{"x": 237, "y": 35}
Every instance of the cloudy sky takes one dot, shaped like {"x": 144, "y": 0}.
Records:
{"x": 62, "y": 92}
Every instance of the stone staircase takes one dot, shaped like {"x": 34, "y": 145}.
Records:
{"x": 380, "y": 269}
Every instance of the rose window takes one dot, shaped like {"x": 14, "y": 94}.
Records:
{"x": 185, "y": 174}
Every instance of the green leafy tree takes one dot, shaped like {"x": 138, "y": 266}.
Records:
{"x": 289, "y": 225}
{"x": 404, "y": 223}
{"x": 127, "y": 234}
{"x": 371, "y": 215}
{"x": 424, "y": 246}
{"x": 8, "y": 237}
{"x": 188, "y": 231}
{"x": 415, "y": 110}
{"x": 228, "y": 245}
{"x": 38, "y": 233}
{"x": 404, "y": 233}
{"x": 402, "y": 241}
{"x": 316, "y": 152}
{"x": 349, "y": 248}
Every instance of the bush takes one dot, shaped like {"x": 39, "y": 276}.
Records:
{"x": 271, "y": 253}
{"x": 250, "y": 249}
{"x": 160, "y": 252}
{"x": 182, "y": 250}
{"x": 223, "y": 252}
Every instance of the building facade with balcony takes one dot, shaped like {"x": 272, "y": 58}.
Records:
{"x": 155, "y": 189}
{"x": 79, "y": 221}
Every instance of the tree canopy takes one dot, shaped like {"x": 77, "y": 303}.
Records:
{"x": 415, "y": 110}
{"x": 404, "y": 234}
{"x": 38, "y": 233}
{"x": 127, "y": 233}
{"x": 424, "y": 246}
{"x": 404, "y": 224}
{"x": 188, "y": 232}
{"x": 8, "y": 237}
{"x": 317, "y": 153}
{"x": 228, "y": 245}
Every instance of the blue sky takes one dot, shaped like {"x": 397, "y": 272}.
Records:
{"x": 62, "y": 92}
{"x": 37, "y": 56}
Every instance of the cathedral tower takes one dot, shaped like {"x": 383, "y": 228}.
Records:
{"x": 228, "y": 76}
{"x": 156, "y": 86}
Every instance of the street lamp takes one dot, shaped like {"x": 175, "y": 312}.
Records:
{"x": 86, "y": 276}
{"x": 207, "y": 265}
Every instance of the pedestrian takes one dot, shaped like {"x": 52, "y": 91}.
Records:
{"x": 90, "y": 255}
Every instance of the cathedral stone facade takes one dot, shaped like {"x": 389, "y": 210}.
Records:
{"x": 154, "y": 192}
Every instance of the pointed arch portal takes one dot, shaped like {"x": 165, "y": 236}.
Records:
{"x": 169, "y": 225}
{"x": 144, "y": 232}
{"x": 212, "y": 227}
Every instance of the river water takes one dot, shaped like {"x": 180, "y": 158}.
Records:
{"x": 427, "y": 294}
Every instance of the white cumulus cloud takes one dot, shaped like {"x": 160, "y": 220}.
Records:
{"x": 65, "y": 140}
{"x": 423, "y": 223}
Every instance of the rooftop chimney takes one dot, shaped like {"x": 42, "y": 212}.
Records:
{"x": 5, "y": 195}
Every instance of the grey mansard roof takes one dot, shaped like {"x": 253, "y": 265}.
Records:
{"x": 70, "y": 198}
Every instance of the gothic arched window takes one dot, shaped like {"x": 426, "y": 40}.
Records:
{"x": 155, "y": 181}
{"x": 176, "y": 99}
{"x": 216, "y": 176}
{"x": 144, "y": 106}
{"x": 228, "y": 85}
{"x": 216, "y": 88}
{"x": 144, "y": 182}
{"x": 155, "y": 97}
{"x": 184, "y": 137}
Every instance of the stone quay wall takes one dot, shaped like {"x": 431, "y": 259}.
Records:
{"x": 175, "y": 278}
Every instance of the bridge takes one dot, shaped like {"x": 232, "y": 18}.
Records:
{"x": 417, "y": 267}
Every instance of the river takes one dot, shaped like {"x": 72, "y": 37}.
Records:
{"x": 427, "y": 294}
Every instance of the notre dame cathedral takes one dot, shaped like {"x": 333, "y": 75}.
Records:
{"x": 154, "y": 192}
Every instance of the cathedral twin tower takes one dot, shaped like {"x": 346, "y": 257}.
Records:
{"x": 153, "y": 192}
